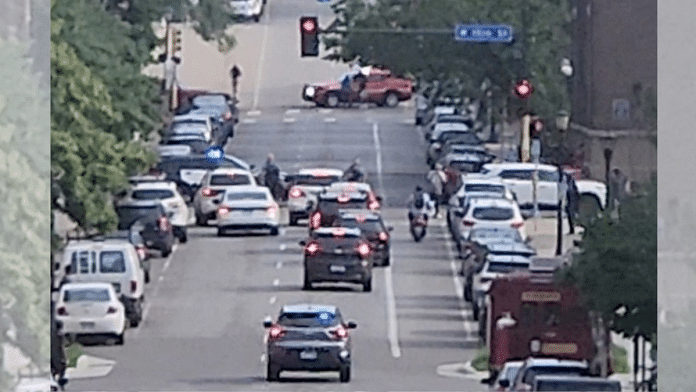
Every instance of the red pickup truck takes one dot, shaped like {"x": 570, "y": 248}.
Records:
{"x": 378, "y": 86}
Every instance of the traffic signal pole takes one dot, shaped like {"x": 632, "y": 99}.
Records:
{"x": 525, "y": 139}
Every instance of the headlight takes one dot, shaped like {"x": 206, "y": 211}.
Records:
{"x": 309, "y": 91}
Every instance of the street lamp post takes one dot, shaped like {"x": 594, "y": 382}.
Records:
{"x": 562, "y": 122}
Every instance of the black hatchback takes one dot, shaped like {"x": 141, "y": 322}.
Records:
{"x": 329, "y": 204}
{"x": 372, "y": 226}
{"x": 152, "y": 220}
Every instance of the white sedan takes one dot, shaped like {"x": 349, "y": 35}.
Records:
{"x": 91, "y": 309}
{"x": 490, "y": 212}
{"x": 248, "y": 208}
{"x": 213, "y": 186}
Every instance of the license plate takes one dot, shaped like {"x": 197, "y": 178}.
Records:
{"x": 87, "y": 325}
{"x": 337, "y": 268}
{"x": 308, "y": 355}
{"x": 339, "y": 251}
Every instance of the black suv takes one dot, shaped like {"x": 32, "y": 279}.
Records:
{"x": 328, "y": 204}
{"x": 372, "y": 226}
{"x": 152, "y": 220}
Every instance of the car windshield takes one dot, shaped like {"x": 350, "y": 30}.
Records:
{"x": 500, "y": 267}
{"x": 449, "y": 135}
{"x": 577, "y": 386}
{"x": 112, "y": 262}
{"x": 465, "y": 166}
{"x": 210, "y": 100}
{"x": 152, "y": 194}
{"x": 370, "y": 226}
{"x": 531, "y": 373}
{"x": 493, "y": 213}
{"x": 127, "y": 215}
{"x": 315, "y": 180}
{"x": 309, "y": 319}
{"x": 229, "y": 179}
{"x": 491, "y": 188}
{"x": 511, "y": 372}
{"x": 189, "y": 127}
{"x": 246, "y": 196}
{"x": 86, "y": 295}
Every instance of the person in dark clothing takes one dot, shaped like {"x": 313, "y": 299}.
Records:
{"x": 572, "y": 204}
{"x": 58, "y": 358}
{"x": 354, "y": 173}
{"x": 225, "y": 133}
{"x": 271, "y": 177}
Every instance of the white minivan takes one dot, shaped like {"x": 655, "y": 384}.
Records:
{"x": 109, "y": 261}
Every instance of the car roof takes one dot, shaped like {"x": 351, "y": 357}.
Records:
{"x": 190, "y": 117}
{"x": 85, "y": 285}
{"x": 513, "y": 363}
{"x": 463, "y": 156}
{"x": 321, "y": 172}
{"x": 531, "y": 361}
{"x": 308, "y": 308}
{"x": 155, "y": 185}
{"x": 109, "y": 244}
{"x": 509, "y": 246}
{"x": 230, "y": 170}
{"x": 448, "y": 126}
{"x": 517, "y": 259}
{"x": 130, "y": 203}
{"x": 559, "y": 377}
{"x": 518, "y": 166}
{"x": 246, "y": 188}
{"x": 351, "y": 186}
{"x": 329, "y": 195}
{"x": 467, "y": 180}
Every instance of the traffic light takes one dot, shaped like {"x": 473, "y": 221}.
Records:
{"x": 176, "y": 40}
{"x": 523, "y": 89}
{"x": 309, "y": 31}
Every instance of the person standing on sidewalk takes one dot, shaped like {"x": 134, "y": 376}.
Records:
{"x": 437, "y": 178}
{"x": 572, "y": 204}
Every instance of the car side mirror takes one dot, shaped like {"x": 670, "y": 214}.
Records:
{"x": 504, "y": 383}
{"x": 303, "y": 242}
{"x": 170, "y": 214}
{"x": 390, "y": 228}
{"x": 351, "y": 325}
{"x": 267, "y": 322}
{"x": 216, "y": 201}
{"x": 252, "y": 167}
{"x": 379, "y": 198}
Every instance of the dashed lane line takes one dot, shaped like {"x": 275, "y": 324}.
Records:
{"x": 148, "y": 305}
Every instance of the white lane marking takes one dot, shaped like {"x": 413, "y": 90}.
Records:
{"x": 272, "y": 300}
{"x": 276, "y": 282}
{"x": 458, "y": 287}
{"x": 378, "y": 150}
{"x": 289, "y": 120}
{"x": 292, "y": 111}
{"x": 148, "y": 304}
{"x": 279, "y": 265}
{"x": 261, "y": 60}
{"x": 283, "y": 246}
{"x": 254, "y": 112}
{"x": 330, "y": 120}
{"x": 249, "y": 121}
{"x": 391, "y": 313}
{"x": 408, "y": 121}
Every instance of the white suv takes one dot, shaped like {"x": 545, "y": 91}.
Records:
{"x": 173, "y": 202}
{"x": 213, "y": 185}
{"x": 492, "y": 212}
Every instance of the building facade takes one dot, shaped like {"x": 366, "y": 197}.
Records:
{"x": 614, "y": 56}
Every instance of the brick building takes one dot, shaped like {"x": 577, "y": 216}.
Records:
{"x": 614, "y": 56}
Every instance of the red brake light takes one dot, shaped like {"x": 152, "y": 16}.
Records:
{"x": 468, "y": 223}
{"x": 316, "y": 220}
{"x": 312, "y": 248}
{"x": 296, "y": 193}
{"x": 141, "y": 253}
{"x": 343, "y": 198}
{"x": 272, "y": 211}
{"x": 62, "y": 311}
{"x": 383, "y": 236}
{"x": 223, "y": 210}
{"x": 111, "y": 310}
{"x": 207, "y": 192}
{"x": 228, "y": 115}
{"x": 373, "y": 205}
{"x": 517, "y": 224}
{"x": 275, "y": 332}
{"x": 163, "y": 224}
{"x": 364, "y": 250}
{"x": 134, "y": 286}
{"x": 340, "y": 332}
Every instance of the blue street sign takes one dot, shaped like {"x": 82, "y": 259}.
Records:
{"x": 214, "y": 154}
{"x": 483, "y": 33}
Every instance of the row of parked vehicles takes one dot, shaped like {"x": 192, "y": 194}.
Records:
{"x": 538, "y": 332}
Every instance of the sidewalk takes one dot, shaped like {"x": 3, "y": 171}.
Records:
{"x": 90, "y": 367}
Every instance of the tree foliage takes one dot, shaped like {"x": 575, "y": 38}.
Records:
{"x": 430, "y": 57}
{"x": 24, "y": 213}
{"x": 617, "y": 268}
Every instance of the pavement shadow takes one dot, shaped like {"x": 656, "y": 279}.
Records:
{"x": 335, "y": 288}
{"x": 92, "y": 341}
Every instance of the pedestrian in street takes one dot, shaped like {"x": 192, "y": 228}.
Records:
{"x": 271, "y": 177}
{"x": 437, "y": 178}
{"x": 572, "y": 202}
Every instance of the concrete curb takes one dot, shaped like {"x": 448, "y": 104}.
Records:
{"x": 90, "y": 367}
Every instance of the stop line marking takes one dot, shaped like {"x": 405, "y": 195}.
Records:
{"x": 279, "y": 265}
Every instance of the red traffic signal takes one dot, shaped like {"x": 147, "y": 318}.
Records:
{"x": 309, "y": 31}
{"x": 523, "y": 89}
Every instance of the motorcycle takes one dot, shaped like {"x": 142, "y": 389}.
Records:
{"x": 418, "y": 224}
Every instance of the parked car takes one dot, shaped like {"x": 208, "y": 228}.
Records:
{"x": 136, "y": 239}
{"x": 506, "y": 375}
{"x": 575, "y": 384}
{"x": 195, "y": 141}
{"x": 533, "y": 367}
{"x": 463, "y": 163}
{"x": 308, "y": 337}
{"x": 113, "y": 262}
{"x": 467, "y": 143}
{"x": 192, "y": 123}
{"x": 372, "y": 226}
{"x": 381, "y": 88}
{"x": 213, "y": 185}
{"x": 247, "y": 9}
{"x": 303, "y": 189}
{"x": 248, "y": 207}
{"x": 91, "y": 309}
{"x": 152, "y": 221}
{"x": 490, "y": 212}
{"x": 337, "y": 254}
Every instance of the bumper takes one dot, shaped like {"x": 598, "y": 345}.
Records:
{"x": 206, "y": 206}
{"x": 111, "y": 324}
{"x": 247, "y": 222}
{"x": 159, "y": 241}
{"x": 327, "y": 358}
{"x": 326, "y": 272}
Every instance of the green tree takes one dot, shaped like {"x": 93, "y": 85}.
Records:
{"x": 536, "y": 53}
{"x": 24, "y": 274}
{"x": 617, "y": 268}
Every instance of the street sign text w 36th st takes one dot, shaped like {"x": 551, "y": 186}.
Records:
{"x": 483, "y": 33}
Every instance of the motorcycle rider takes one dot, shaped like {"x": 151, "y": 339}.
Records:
{"x": 354, "y": 173}
{"x": 419, "y": 203}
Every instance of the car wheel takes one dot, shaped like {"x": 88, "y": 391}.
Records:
{"x": 183, "y": 237}
{"x": 391, "y": 100}
{"x": 134, "y": 322}
{"x": 387, "y": 261}
{"x": 257, "y": 18}
{"x": 307, "y": 283}
{"x": 293, "y": 220}
{"x": 274, "y": 231}
{"x": 272, "y": 372}
{"x": 220, "y": 232}
{"x": 345, "y": 373}
{"x": 120, "y": 338}
{"x": 467, "y": 292}
{"x": 166, "y": 251}
{"x": 201, "y": 220}
{"x": 147, "y": 276}
{"x": 367, "y": 285}
{"x": 475, "y": 310}
{"x": 332, "y": 100}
